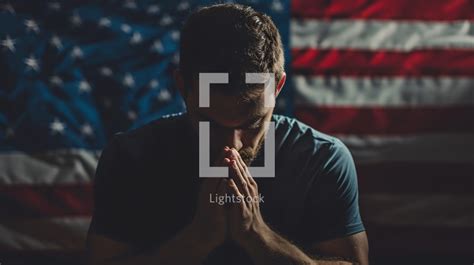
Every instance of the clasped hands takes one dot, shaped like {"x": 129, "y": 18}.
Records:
{"x": 239, "y": 220}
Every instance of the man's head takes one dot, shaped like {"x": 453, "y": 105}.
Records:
{"x": 233, "y": 39}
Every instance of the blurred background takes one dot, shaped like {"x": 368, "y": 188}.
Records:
{"x": 394, "y": 79}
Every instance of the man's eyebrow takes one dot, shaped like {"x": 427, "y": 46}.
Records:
{"x": 246, "y": 124}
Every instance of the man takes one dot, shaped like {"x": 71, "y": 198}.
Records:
{"x": 151, "y": 205}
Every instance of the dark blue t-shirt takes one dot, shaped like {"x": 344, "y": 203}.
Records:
{"x": 147, "y": 181}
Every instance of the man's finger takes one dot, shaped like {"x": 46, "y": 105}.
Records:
{"x": 246, "y": 172}
{"x": 233, "y": 188}
{"x": 238, "y": 177}
{"x": 220, "y": 160}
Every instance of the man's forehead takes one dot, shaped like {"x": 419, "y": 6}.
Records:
{"x": 229, "y": 113}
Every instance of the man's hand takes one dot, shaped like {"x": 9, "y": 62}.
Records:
{"x": 210, "y": 220}
{"x": 245, "y": 219}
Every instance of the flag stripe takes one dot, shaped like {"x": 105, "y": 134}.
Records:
{"x": 46, "y": 201}
{"x": 446, "y": 210}
{"x": 66, "y": 166}
{"x": 384, "y": 9}
{"x": 387, "y": 121}
{"x": 456, "y": 147}
{"x": 380, "y": 35}
{"x": 350, "y": 62}
{"x": 43, "y": 234}
{"x": 416, "y": 177}
{"x": 383, "y": 91}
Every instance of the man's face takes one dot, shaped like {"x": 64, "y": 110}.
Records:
{"x": 234, "y": 122}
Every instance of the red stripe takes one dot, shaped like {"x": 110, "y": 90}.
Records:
{"x": 46, "y": 201}
{"x": 380, "y": 120}
{"x": 419, "y": 177}
{"x": 383, "y": 63}
{"x": 440, "y": 10}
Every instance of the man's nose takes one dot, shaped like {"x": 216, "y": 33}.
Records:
{"x": 234, "y": 139}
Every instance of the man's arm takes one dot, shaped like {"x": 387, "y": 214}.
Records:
{"x": 267, "y": 247}
{"x": 355, "y": 247}
{"x": 103, "y": 250}
{"x": 190, "y": 246}
{"x": 264, "y": 245}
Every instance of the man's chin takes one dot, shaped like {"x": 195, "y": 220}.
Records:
{"x": 249, "y": 154}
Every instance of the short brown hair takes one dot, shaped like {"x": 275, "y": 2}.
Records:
{"x": 230, "y": 38}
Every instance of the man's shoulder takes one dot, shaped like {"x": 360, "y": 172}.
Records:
{"x": 299, "y": 133}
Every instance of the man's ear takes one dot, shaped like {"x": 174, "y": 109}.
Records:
{"x": 280, "y": 84}
{"x": 179, "y": 80}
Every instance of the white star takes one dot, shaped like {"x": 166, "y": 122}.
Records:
{"x": 183, "y": 6}
{"x": 56, "y": 42}
{"x": 56, "y": 80}
{"x": 153, "y": 9}
{"x": 9, "y": 43}
{"x": 130, "y": 4}
{"x": 175, "y": 35}
{"x": 54, "y": 6}
{"x": 87, "y": 130}
{"x": 76, "y": 52}
{"x": 154, "y": 84}
{"x": 136, "y": 38}
{"x": 105, "y": 71}
{"x": 132, "y": 115}
{"x": 277, "y": 6}
{"x": 57, "y": 127}
{"x": 105, "y": 22}
{"x": 8, "y": 8}
{"x": 32, "y": 63}
{"x": 31, "y": 25}
{"x": 126, "y": 28}
{"x": 166, "y": 20}
{"x": 157, "y": 46}
{"x": 175, "y": 58}
{"x": 76, "y": 20}
{"x": 164, "y": 95}
{"x": 128, "y": 80}
{"x": 84, "y": 86}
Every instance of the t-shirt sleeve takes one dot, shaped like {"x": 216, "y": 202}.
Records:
{"x": 112, "y": 206}
{"x": 332, "y": 204}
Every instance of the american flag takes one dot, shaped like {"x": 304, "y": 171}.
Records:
{"x": 394, "y": 79}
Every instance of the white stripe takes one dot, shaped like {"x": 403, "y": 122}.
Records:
{"x": 380, "y": 34}
{"x": 446, "y": 148}
{"x": 384, "y": 91}
{"x": 425, "y": 210}
{"x": 44, "y": 234}
{"x": 54, "y": 167}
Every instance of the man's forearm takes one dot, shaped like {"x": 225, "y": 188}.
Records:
{"x": 188, "y": 247}
{"x": 185, "y": 248}
{"x": 267, "y": 247}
